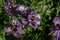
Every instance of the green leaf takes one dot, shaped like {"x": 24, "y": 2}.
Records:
{"x": 2, "y": 35}
{"x": 1, "y": 3}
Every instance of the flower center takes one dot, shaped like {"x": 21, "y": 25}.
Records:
{"x": 58, "y": 25}
{"x": 10, "y": 7}
{"x": 14, "y": 28}
{"x": 32, "y": 18}
{"x": 24, "y": 11}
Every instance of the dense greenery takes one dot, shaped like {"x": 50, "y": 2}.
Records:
{"x": 47, "y": 9}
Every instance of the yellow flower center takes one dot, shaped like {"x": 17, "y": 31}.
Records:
{"x": 32, "y": 18}
{"x": 24, "y": 11}
{"x": 14, "y": 28}
{"x": 10, "y": 7}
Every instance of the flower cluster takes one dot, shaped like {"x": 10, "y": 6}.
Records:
{"x": 29, "y": 18}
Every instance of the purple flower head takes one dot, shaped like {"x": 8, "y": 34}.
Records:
{"x": 56, "y": 22}
{"x": 23, "y": 10}
{"x": 15, "y": 29}
{"x": 10, "y": 7}
{"x": 32, "y": 21}
{"x": 55, "y": 29}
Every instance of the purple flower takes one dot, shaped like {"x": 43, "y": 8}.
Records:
{"x": 15, "y": 29}
{"x": 10, "y": 7}
{"x": 8, "y": 30}
{"x": 23, "y": 10}
{"x": 32, "y": 21}
{"x": 55, "y": 29}
{"x": 56, "y": 21}
{"x": 55, "y": 33}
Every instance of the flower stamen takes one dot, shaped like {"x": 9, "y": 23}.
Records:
{"x": 32, "y": 18}
{"x": 10, "y": 7}
{"x": 24, "y": 11}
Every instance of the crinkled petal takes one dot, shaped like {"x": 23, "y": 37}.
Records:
{"x": 56, "y": 20}
{"x": 8, "y": 30}
{"x": 22, "y": 8}
{"x": 16, "y": 34}
{"x": 32, "y": 25}
{"x": 15, "y": 21}
{"x": 24, "y": 21}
